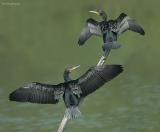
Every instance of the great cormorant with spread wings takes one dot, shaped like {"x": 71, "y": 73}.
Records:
{"x": 72, "y": 91}
{"x": 109, "y": 30}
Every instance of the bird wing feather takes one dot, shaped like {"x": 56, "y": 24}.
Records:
{"x": 38, "y": 93}
{"x": 97, "y": 76}
{"x": 91, "y": 28}
{"x": 124, "y": 23}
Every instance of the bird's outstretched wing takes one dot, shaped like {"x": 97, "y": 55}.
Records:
{"x": 38, "y": 93}
{"x": 91, "y": 28}
{"x": 124, "y": 23}
{"x": 95, "y": 77}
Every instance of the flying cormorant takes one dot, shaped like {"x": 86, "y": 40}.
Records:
{"x": 109, "y": 30}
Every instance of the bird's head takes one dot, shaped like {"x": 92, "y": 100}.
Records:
{"x": 100, "y": 13}
{"x": 68, "y": 71}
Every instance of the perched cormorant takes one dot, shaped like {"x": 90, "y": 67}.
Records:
{"x": 108, "y": 29}
{"x": 72, "y": 91}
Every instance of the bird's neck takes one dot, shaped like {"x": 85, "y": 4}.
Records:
{"x": 104, "y": 18}
{"x": 66, "y": 76}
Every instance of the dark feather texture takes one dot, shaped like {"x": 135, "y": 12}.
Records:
{"x": 38, "y": 93}
{"x": 95, "y": 77}
{"x": 124, "y": 23}
{"x": 117, "y": 26}
{"x": 91, "y": 28}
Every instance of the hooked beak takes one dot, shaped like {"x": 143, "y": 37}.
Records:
{"x": 95, "y": 12}
{"x": 73, "y": 68}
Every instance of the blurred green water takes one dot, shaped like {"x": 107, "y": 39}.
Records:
{"x": 38, "y": 39}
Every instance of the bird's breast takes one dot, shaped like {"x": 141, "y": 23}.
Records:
{"x": 109, "y": 36}
{"x": 104, "y": 26}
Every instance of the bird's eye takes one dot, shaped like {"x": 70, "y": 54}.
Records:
{"x": 101, "y": 13}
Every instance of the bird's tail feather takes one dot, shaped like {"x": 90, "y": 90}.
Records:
{"x": 72, "y": 112}
{"x": 111, "y": 45}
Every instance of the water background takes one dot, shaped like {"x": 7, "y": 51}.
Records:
{"x": 38, "y": 39}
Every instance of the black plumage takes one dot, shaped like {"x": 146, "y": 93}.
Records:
{"x": 97, "y": 76}
{"x": 109, "y": 30}
{"x": 38, "y": 93}
{"x": 72, "y": 91}
{"x": 91, "y": 28}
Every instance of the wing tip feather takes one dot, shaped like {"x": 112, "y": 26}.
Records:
{"x": 142, "y": 32}
{"x": 117, "y": 69}
{"x": 80, "y": 43}
{"x": 112, "y": 71}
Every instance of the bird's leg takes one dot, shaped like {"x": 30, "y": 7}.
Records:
{"x": 106, "y": 50}
{"x": 107, "y": 54}
{"x": 103, "y": 58}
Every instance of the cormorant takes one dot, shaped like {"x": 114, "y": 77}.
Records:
{"x": 72, "y": 91}
{"x": 109, "y": 30}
